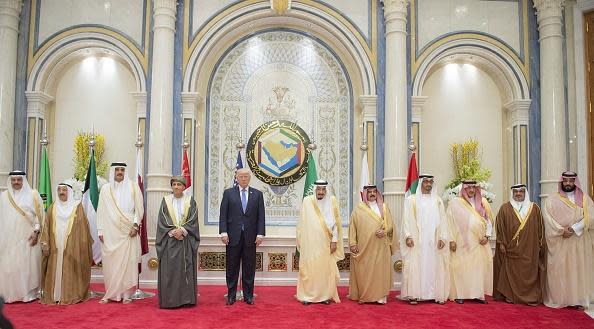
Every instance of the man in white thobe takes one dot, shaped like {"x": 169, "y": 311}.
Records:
{"x": 425, "y": 274}
{"x": 21, "y": 215}
{"x": 118, "y": 216}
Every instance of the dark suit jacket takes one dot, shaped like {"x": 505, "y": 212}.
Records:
{"x": 231, "y": 217}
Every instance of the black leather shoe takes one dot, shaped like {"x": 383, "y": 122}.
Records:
{"x": 326, "y": 302}
{"x": 230, "y": 300}
{"x": 305, "y": 303}
{"x": 249, "y": 300}
{"x": 482, "y": 301}
{"x": 459, "y": 301}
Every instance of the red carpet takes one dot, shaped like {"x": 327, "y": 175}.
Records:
{"x": 275, "y": 307}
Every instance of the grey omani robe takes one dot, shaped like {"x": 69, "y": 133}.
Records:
{"x": 177, "y": 258}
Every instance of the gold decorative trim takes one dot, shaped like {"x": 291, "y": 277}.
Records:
{"x": 153, "y": 263}
{"x": 259, "y": 262}
{"x": 217, "y": 260}
{"x": 280, "y": 7}
{"x": 295, "y": 262}
{"x": 212, "y": 261}
{"x": 345, "y": 264}
{"x": 398, "y": 266}
{"x": 277, "y": 262}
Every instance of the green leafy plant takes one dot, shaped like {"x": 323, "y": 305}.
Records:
{"x": 82, "y": 154}
{"x": 466, "y": 161}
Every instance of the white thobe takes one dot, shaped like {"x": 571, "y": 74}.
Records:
{"x": 20, "y": 263}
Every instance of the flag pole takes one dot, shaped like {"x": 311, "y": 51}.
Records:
{"x": 139, "y": 294}
{"x": 92, "y": 142}
{"x": 44, "y": 141}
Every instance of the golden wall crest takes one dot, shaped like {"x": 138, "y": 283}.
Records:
{"x": 277, "y": 152}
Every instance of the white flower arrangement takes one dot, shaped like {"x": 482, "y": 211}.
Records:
{"x": 486, "y": 192}
{"x": 78, "y": 186}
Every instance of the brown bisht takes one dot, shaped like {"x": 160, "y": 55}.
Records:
{"x": 519, "y": 266}
{"x": 177, "y": 258}
{"x": 76, "y": 260}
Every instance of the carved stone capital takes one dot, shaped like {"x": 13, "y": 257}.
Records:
{"x": 391, "y": 6}
{"x": 10, "y": 11}
{"x": 395, "y": 15}
{"x": 37, "y": 103}
{"x": 548, "y": 8}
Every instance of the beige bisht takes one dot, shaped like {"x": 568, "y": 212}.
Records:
{"x": 67, "y": 272}
{"x": 471, "y": 265}
{"x": 318, "y": 271}
{"x": 120, "y": 207}
{"x": 426, "y": 270}
{"x": 371, "y": 268}
{"x": 569, "y": 260}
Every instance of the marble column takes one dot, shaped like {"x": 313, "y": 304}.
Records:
{"x": 10, "y": 11}
{"x": 161, "y": 113}
{"x": 518, "y": 120}
{"x": 37, "y": 103}
{"x": 369, "y": 120}
{"x": 190, "y": 102}
{"x": 140, "y": 99}
{"x": 395, "y": 140}
{"x": 549, "y": 15}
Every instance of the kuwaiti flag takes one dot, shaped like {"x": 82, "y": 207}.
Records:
{"x": 45, "y": 185}
{"x": 364, "y": 174}
{"x": 412, "y": 178}
{"x": 186, "y": 173}
{"x": 90, "y": 202}
{"x": 143, "y": 233}
{"x": 238, "y": 165}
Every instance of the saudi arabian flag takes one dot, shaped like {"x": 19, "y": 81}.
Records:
{"x": 310, "y": 177}
{"x": 412, "y": 178}
{"x": 45, "y": 185}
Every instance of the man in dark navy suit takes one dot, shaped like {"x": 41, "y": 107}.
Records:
{"x": 241, "y": 225}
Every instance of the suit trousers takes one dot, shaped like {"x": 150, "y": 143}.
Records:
{"x": 244, "y": 256}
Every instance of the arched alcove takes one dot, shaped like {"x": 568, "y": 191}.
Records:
{"x": 483, "y": 94}
{"x": 81, "y": 82}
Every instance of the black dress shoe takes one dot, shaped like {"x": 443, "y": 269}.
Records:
{"x": 230, "y": 301}
{"x": 459, "y": 301}
{"x": 482, "y": 301}
{"x": 249, "y": 300}
{"x": 326, "y": 302}
{"x": 305, "y": 303}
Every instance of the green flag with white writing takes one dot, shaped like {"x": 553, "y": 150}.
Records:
{"x": 45, "y": 185}
{"x": 310, "y": 177}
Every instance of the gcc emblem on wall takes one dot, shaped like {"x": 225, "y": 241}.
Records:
{"x": 277, "y": 152}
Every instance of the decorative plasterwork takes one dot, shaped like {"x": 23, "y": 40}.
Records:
{"x": 519, "y": 111}
{"x": 244, "y": 94}
{"x": 250, "y": 17}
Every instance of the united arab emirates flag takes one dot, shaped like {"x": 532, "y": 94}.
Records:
{"x": 45, "y": 185}
{"x": 412, "y": 178}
